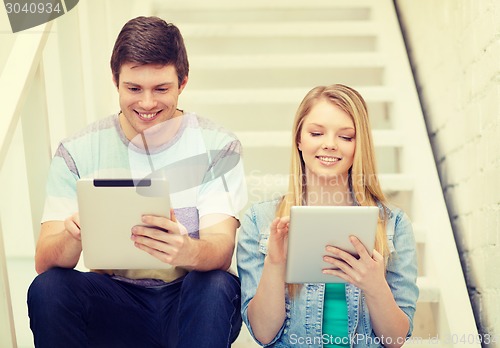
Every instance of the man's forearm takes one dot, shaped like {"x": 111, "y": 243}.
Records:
{"x": 59, "y": 249}
{"x": 212, "y": 252}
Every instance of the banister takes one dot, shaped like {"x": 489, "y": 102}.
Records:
{"x": 7, "y": 331}
{"x": 15, "y": 82}
{"x": 16, "y": 79}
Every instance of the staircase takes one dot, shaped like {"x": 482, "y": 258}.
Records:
{"x": 252, "y": 62}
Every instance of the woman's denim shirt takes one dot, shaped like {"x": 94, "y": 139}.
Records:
{"x": 304, "y": 313}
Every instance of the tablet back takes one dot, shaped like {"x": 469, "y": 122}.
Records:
{"x": 108, "y": 209}
{"x": 313, "y": 228}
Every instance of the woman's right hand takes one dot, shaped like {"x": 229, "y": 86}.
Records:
{"x": 278, "y": 240}
{"x": 266, "y": 310}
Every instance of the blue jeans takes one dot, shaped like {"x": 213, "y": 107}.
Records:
{"x": 68, "y": 308}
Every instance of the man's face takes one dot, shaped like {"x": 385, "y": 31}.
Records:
{"x": 148, "y": 96}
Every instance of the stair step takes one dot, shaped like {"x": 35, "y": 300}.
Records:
{"x": 268, "y": 186}
{"x": 228, "y": 15}
{"x": 271, "y": 96}
{"x": 419, "y": 232}
{"x": 396, "y": 182}
{"x": 423, "y": 342}
{"x": 386, "y": 138}
{"x": 292, "y": 29}
{"x": 284, "y": 61}
{"x": 259, "y": 4}
{"x": 428, "y": 291}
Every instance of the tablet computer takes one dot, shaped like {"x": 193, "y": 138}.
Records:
{"x": 312, "y": 228}
{"x": 108, "y": 209}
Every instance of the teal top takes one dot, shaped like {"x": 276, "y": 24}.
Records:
{"x": 335, "y": 326}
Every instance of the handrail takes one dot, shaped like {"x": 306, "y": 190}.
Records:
{"x": 15, "y": 82}
{"x": 7, "y": 331}
{"x": 16, "y": 79}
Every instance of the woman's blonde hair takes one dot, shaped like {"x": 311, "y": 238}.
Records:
{"x": 363, "y": 181}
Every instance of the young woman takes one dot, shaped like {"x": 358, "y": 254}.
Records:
{"x": 332, "y": 163}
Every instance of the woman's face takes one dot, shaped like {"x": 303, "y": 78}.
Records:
{"x": 327, "y": 142}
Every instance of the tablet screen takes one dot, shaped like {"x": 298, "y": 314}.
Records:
{"x": 108, "y": 209}
{"x": 312, "y": 228}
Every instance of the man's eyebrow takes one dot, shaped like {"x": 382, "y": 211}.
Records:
{"x": 159, "y": 85}
{"x": 165, "y": 84}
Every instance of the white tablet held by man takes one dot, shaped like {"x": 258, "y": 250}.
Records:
{"x": 313, "y": 228}
{"x": 108, "y": 209}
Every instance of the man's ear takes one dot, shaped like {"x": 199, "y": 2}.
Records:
{"x": 183, "y": 84}
{"x": 114, "y": 81}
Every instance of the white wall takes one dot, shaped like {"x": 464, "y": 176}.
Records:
{"x": 455, "y": 48}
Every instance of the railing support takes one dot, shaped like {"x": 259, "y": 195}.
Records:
{"x": 15, "y": 83}
{"x": 7, "y": 331}
{"x": 37, "y": 152}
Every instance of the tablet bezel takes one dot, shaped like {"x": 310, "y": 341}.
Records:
{"x": 313, "y": 227}
{"x": 108, "y": 209}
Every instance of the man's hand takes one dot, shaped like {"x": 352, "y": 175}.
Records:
{"x": 59, "y": 244}
{"x": 72, "y": 225}
{"x": 166, "y": 239}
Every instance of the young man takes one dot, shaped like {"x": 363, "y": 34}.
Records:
{"x": 196, "y": 303}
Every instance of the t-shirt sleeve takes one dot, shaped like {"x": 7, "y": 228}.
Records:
{"x": 223, "y": 190}
{"x": 61, "y": 201}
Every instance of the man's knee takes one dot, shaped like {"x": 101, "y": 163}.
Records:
{"x": 216, "y": 297}
{"x": 55, "y": 285}
{"x": 47, "y": 283}
{"x": 212, "y": 283}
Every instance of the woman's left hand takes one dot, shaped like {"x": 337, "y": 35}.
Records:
{"x": 366, "y": 272}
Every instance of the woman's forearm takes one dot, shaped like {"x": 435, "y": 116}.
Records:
{"x": 389, "y": 322}
{"x": 266, "y": 311}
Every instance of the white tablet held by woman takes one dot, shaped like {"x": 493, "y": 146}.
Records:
{"x": 312, "y": 228}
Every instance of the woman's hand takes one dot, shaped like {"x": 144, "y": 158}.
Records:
{"x": 266, "y": 310}
{"x": 278, "y": 240}
{"x": 366, "y": 272}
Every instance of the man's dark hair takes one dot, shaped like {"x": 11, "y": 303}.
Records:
{"x": 150, "y": 40}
